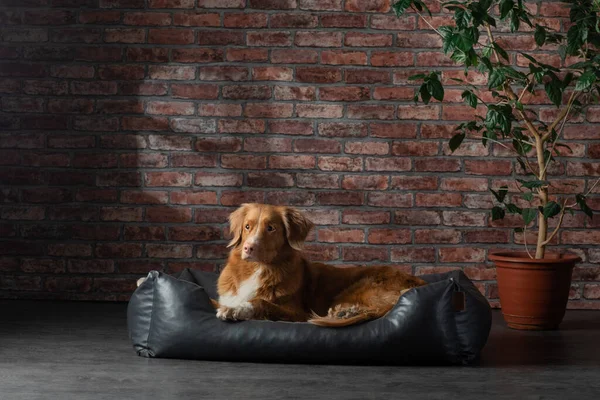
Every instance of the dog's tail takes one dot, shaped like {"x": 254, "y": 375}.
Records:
{"x": 341, "y": 316}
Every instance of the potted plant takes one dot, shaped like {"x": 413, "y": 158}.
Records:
{"x": 533, "y": 284}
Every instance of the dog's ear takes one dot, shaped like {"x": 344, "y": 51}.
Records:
{"x": 297, "y": 227}
{"x": 236, "y": 220}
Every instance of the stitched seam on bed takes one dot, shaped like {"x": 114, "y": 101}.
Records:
{"x": 459, "y": 346}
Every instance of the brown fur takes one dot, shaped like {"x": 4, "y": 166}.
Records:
{"x": 290, "y": 288}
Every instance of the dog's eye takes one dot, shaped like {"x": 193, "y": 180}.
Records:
{"x": 247, "y": 227}
{"x": 270, "y": 228}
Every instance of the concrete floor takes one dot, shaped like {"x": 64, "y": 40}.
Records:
{"x": 66, "y": 350}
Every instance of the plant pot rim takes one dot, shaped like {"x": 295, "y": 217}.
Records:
{"x": 523, "y": 257}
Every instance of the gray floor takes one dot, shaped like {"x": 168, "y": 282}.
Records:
{"x": 62, "y": 350}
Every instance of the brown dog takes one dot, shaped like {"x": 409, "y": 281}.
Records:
{"x": 266, "y": 276}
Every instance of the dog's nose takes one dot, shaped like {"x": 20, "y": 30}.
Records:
{"x": 248, "y": 249}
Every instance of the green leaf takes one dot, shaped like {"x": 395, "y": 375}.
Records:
{"x": 554, "y": 91}
{"x": 580, "y": 199}
{"x": 401, "y": 6}
{"x": 514, "y": 21}
{"x": 527, "y": 196}
{"x": 417, "y": 76}
{"x": 519, "y": 230}
{"x": 513, "y": 209}
{"x": 505, "y": 7}
{"x": 456, "y": 141}
{"x": 497, "y": 213}
{"x": 500, "y": 195}
{"x": 532, "y": 184}
{"x": 501, "y": 51}
{"x": 425, "y": 95}
{"x": 496, "y": 78}
{"x": 540, "y": 35}
{"x": 436, "y": 89}
{"x": 462, "y": 18}
{"x": 529, "y": 215}
{"x": 585, "y": 81}
{"x": 551, "y": 209}
{"x": 470, "y": 98}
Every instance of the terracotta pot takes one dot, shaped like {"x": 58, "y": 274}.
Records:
{"x": 533, "y": 293}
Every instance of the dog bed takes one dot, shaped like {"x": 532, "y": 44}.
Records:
{"x": 444, "y": 322}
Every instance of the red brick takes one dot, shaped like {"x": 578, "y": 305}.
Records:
{"x": 360, "y": 217}
{"x": 303, "y": 93}
{"x": 86, "y": 160}
{"x": 23, "y": 213}
{"x": 243, "y": 20}
{"x": 393, "y": 130}
{"x": 168, "y": 214}
{"x": 26, "y": 35}
{"x": 433, "y": 59}
{"x": 320, "y": 5}
{"x": 269, "y": 38}
{"x": 344, "y": 57}
{"x": 293, "y": 21}
{"x": 170, "y": 108}
{"x": 45, "y": 195}
{"x": 223, "y": 73}
{"x": 413, "y": 254}
{"x": 219, "y": 145}
{"x": 362, "y": 182}
{"x": 124, "y": 35}
{"x": 319, "y": 111}
{"x": 357, "y": 39}
{"x": 272, "y": 74}
{"x": 146, "y": 18}
{"x": 99, "y": 17}
{"x": 378, "y": 148}
{"x": 144, "y": 197}
{"x": 221, "y": 3}
{"x": 317, "y": 146}
{"x": 193, "y": 160}
{"x": 583, "y": 168}
{"x": 580, "y": 237}
{"x": 482, "y": 167}
{"x": 458, "y": 254}
{"x": 464, "y": 184}
{"x": 320, "y": 252}
{"x": 291, "y": 198}
{"x": 438, "y": 200}
{"x": 294, "y": 56}
{"x": 17, "y": 69}
{"x": 343, "y": 21}
{"x": 197, "y": 55}
{"x": 399, "y": 200}
{"x": 144, "y": 123}
{"x": 168, "y": 179}
{"x": 268, "y": 145}
{"x": 243, "y": 161}
{"x": 270, "y": 179}
{"x": 387, "y": 164}
{"x": 104, "y": 124}
{"x": 231, "y": 198}
{"x": 70, "y": 250}
{"x": 318, "y": 74}
{"x": 171, "y": 72}
{"x": 123, "y": 142}
{"x": 318, "y": 181}
{"x": 21, "y": 283}
{"x": 193, "y": 197}
{"x": 416, "y": 149}
{"x": 68, "y": 284}
{"x": 318, "y": 39}
{"x": 423, "y": 40}
{"x": 375, "y": 6}
{"x": 439, "y": 165}
{"x": 342, "y": 129}
{"x": 418, "y": 112}
{"x": 389, "y": 236}
{"x": 218, "y": 179}
{"x": 448, "y": 236}
{"x": 191, "y": 18}
{"x": 220, "y": 110}
{"x": 364, "y": 253}
{"x": 272, "y": 4}
{"x": 349, "y": 93}
{"x": 268, "y": 110}
{"x": 91, "y": 266}
{"x": 487, "y": 236}
{"x": 32, "y": 105}
{"x": 194, "y": 233}
{"x": 194, "y": 91}
{"x": 340, "y": 198}
{"x": 169, "y": 250}
{"x": 119, "y": 179}
{"x": 43, "y": 159}
{"x": 464, "y": 218}
{"x": 367, "y": 76}
{"x": 370, "y": 112}
{"x": 247, "y": 55}
{"x": 247, "y": 92}
{"x": 340, "y": 164}
{"x": 341, "y": 235}
{"x": 220, "y": 38}
{"x": 291, "y": 127}
{"x": 122, "y": 214}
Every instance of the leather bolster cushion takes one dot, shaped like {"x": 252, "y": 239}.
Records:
{"x": 445, "y": 322}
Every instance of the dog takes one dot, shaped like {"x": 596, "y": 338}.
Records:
{"x": 267, "y": 277}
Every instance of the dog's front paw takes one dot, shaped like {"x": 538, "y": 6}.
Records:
{"x": 244, "y": 312}
{"x": 225, "y": 313}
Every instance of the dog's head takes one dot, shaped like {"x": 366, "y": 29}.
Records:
{"x": 261, "y": 232}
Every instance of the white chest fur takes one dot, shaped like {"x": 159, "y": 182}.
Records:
{"x": 245, "y": 293}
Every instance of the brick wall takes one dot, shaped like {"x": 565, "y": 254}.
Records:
{"x": 131, "y": 128}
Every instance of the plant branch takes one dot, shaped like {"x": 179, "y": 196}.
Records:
{"x": 557, "y": 228}
{"x": 561, "y": 116}
{"x": 427, "y": 22}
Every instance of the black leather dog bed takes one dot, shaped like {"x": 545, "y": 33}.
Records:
{"x": 446, "y": 321}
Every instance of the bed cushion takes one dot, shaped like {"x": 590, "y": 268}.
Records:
{"x": 445, "y": 322}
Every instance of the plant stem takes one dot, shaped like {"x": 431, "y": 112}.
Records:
{"x": 543, "y": 195}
